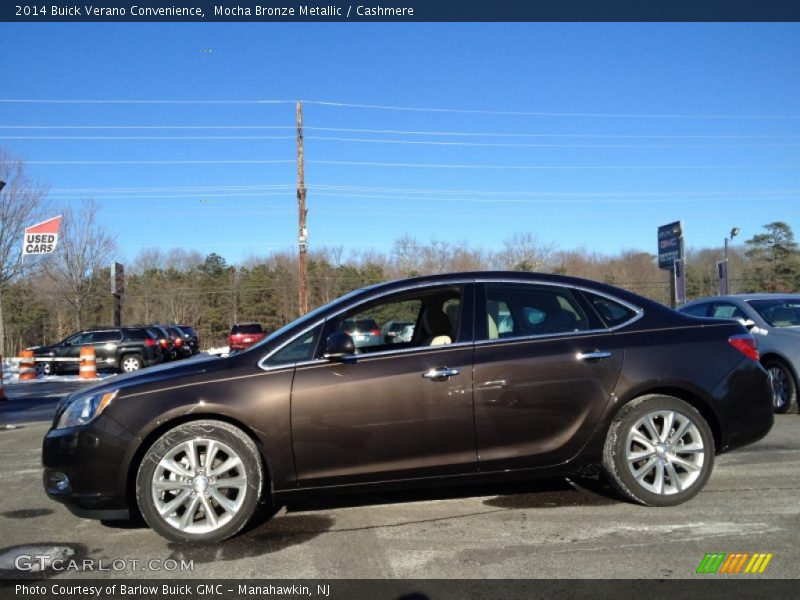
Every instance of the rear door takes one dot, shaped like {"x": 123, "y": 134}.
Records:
{"x": 106, "y": 346}
{"x": 395, "y": 411}
{"x": 545, "y": 368}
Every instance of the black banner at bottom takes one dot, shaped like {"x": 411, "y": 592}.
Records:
{"x": 709, "y": 587}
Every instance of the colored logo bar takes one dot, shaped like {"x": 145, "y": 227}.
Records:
{"x": 736, "y": 562}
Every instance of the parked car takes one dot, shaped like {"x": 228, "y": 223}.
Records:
{"x": 166, "y": 342}
{"x": 363, "y": 330}
{"x": 589, "y": 377}
{"x": 178, "y": 340}
{"x": 244, "y": 335}
{"x": 191, "y": 341}
{"x": 774, "y": 319}
{"x": 124, "y": 349}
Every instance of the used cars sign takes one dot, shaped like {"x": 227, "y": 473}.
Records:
{"x": 42, "y": 237}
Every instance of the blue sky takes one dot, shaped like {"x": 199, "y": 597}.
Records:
{"x": 630, "y": 126}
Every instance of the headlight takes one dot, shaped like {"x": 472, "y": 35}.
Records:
{"x": 83, "y": 409}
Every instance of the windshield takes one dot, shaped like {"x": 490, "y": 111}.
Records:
{"x": 779, "y": 312}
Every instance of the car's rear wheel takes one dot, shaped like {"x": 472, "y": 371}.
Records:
{"x": 130, "y": 363}
{"x": 659, "y": 451}
{"x": 784, "y": 387}
{"x": 200, "y": 482}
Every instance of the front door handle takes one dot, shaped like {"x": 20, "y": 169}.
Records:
{"x": 440, "y": 373}
{"x": 594, "y": 355}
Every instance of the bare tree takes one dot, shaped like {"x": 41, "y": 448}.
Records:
{"x": 83, "y": 250}
{"x": 524, "y": 252}
{"x": 22, "y": 201}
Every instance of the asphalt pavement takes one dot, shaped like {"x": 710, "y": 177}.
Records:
{"x": 540, "y": 529}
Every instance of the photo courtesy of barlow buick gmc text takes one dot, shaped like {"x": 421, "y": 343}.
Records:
{"x": 432, "y": 300}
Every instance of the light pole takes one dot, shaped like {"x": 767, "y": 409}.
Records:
{"x": 725, "y": 287}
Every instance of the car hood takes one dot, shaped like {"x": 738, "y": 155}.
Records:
{"x": 150, "y": 375}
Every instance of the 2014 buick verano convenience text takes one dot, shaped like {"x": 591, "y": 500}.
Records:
{"x": 504, "y": 374}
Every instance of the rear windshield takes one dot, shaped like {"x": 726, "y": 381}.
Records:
{"x": 188, "y": 330}
{"x": 778, "y": 312}
{"x": 247, "y": 328}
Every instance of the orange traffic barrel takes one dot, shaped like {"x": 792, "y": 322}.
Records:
{"x": 27, "y": 366}
{"x": 88, "y": 368}
{"x": 2, "y": 391}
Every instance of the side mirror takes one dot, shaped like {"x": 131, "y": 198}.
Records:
{"x": 748, "y": 323}
{"x": 339, "y": 346}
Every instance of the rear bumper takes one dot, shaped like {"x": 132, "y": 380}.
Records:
{"x": 744, "y": 406}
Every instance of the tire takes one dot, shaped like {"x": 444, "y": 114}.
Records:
{"x": 130, "y": 363}
{"x": 658, "y": 473}
{"x": 784, "y": 386}
{"x": 169, "y": 487}
{"x": 45, "y": 368}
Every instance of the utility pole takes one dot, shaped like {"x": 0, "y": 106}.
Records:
{"x": 302, "y": 212}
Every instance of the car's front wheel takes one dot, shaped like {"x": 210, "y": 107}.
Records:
{"x": 200, "y": 482}
{"x": 659, "y": 451}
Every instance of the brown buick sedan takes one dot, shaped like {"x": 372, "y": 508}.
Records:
{"x": 504, "y": 374}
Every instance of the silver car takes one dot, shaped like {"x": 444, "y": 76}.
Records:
{"x": 775, "y": 321}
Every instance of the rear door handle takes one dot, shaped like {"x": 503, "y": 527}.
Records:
{"x": 440, "y": 373}
{"x": 594, "y": 355}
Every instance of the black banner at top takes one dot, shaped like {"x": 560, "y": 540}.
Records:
{"x": 398, "y": 10}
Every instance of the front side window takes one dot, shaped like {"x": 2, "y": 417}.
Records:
{"x": 298, "y": 350}
{"x": 517, "y": 309}
{"x": 426, "y": 317}
{"x": 779, "y": 312}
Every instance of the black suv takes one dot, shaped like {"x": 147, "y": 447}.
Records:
{"x": 191, "y": 341}
{"x": 120, "y": 348}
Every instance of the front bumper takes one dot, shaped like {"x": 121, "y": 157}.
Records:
{"x": 84, "y": 469}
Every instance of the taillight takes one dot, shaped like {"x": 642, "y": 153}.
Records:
{"x": 163, "y": 343}
{"x": 375, "y": 332}
{"x": 178, "y": 342}
{"x": 746, "y": 344}
{"x": 149, "y": 342}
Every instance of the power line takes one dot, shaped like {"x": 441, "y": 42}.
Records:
{"x": 156, "y": 162}
{"x": 544, "y": 167}
{"x": 460, "y": 144}
{"x": 410, "y": 132}
{"x": 540, "y": 113}
{"x": 144, "y": 137}
{"x": 116, "y": 101}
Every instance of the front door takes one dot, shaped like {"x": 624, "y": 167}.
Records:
{"x": 401, "y": 407}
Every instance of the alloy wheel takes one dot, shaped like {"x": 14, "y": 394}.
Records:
{"x": 780, "y": 386}
{"x": 199, "y": 486}
{"x": 664, "y": 451}
{"x": 131, "y": 364}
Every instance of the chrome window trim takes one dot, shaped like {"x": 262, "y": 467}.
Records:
{"x": 427, "y": 284}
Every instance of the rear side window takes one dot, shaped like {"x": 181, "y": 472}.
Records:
{"x": 250, "y": 328}
{"x": 723, "y": 310}
{"x": 516, "y": 309}
{"x": 104, "y": 337}
{"x": 613, "y": 313}
{"x": 137, "y": 335}
{"x": 696, "y": 310}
